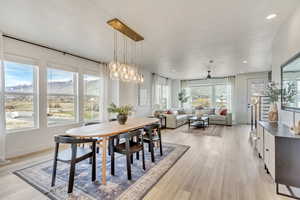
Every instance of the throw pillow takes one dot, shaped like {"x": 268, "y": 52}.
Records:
{"x": 211, "y": 111}
{"x": 223, "y": 112}
{"x": 169, "y": 112}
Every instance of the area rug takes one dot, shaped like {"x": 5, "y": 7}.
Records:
{"x": 212, "y": 130}
{"x": 117, "y": 187}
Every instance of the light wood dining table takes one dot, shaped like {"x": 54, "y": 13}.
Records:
{"x": 107, "y": 129}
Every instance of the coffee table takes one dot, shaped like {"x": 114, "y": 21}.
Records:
{"x": 198, "y": 122}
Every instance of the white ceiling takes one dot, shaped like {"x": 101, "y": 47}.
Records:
{"x": 180, "y": 36}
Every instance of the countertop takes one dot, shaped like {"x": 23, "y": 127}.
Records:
{"x": 278, "y": 129}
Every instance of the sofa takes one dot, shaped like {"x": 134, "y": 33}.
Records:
{"x": 177, "y": 116}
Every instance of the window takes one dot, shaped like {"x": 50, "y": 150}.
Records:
{"x": 201, "y": 96}
{"x": 20, "y": 95}
{"x": 216, "y": 94}
{"x": 221, "y": 96}
{"x": 62, "y": 97}
{"x": 91, "y": 98}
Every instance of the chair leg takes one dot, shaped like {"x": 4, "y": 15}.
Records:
{"x": 112, "y": 157}
{"x": 94, "y": 161}
{"x": 131, "y": 158}
{"x": 160, "y": 145}
{"x": 128, "y": 158}
{"x": 128, "y": 166}
{"x": 71, "y": 178}
{"x": 149, "y": 146}
{"x": 54, "y": 164}
{"x": 109, "y": 150}
{"x": 152, "y": 151}
{"x": 137, "y": 155}
{"x": 143, "y": 159}
{"x": 72, "y": 169}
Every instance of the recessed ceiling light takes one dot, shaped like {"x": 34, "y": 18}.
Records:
{"x": 271, "y": 16}
{"x": 245, "y": 61}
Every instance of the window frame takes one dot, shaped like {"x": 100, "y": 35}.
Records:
{"x": 62, "y": 67}
{"x": 34, "y": 94}
{"x": 212, "y": 95}
{"x": 84, "y": 95}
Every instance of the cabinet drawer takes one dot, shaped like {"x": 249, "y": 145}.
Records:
{"x": 269, "y": 153}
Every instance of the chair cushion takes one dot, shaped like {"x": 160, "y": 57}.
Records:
{"x": 181, "y": 117}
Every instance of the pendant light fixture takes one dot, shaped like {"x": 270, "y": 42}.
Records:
{"x": 127, "y": 70}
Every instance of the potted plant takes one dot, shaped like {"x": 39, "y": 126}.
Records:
{"x": 273, "y": 92}
{"x": 122, "y": 111}
{"x": 182, "y": 97}
{"x": 289, "y": 93}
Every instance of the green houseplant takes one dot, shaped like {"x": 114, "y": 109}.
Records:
{"x": 273, "y": 92}
{"x": 122, "y": 111}
{"x": 182, "y": 97}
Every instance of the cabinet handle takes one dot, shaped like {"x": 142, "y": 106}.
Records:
{"x": 267, "y": 149}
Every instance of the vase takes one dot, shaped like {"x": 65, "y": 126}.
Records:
{"x": 273, "y": 112}
{"x": 122, "y": 119}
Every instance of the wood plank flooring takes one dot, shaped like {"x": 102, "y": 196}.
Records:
{"x": 214, "y": 168}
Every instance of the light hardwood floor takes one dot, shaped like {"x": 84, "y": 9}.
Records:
{"x": 214, "y": 168}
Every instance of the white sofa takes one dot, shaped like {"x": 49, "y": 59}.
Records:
{"x": 180, "y": 117}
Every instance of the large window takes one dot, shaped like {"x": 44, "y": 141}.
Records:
{"x": 91, "y": 98}
{"x": 20, "y": 96}
{"x": 221, "y": 96}
{"x": 210, "y": 95}
{"x": 201, "y": 96}
{"x": 62, "y": 96}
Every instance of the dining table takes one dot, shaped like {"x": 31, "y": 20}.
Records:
{"x": 108, "y": 129}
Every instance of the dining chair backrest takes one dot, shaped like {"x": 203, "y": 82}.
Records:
{"x": 131, "y": 134}
{"x": 91, "y": 123}
{"x": 65, "y": 139}
{"x": 151, "y": 127}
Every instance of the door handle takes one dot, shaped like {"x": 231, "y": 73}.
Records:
{"x": 267, "y": 149}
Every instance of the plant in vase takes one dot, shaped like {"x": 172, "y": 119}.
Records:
{"x": 273, "y": 92}
{"x": 182, "y": 97}
{"x": 122, "y": 111}
{"x": 289, "y": 93}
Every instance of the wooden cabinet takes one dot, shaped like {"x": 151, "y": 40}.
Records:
{"x": 269, "y": 152}
{"x": 280, "y": 151}
{"x": 260, "y": 141}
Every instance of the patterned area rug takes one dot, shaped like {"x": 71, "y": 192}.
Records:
{"x": 212, "y": 130}
{"x": 117, "y": 187}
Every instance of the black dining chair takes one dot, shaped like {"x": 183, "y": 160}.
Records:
{"x": 153, "y": 134}
{"x": 99, "y": 140}
{"x": 133, "y": 144}
{"x": 72, "y": 156}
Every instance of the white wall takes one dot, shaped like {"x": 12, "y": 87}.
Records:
{"x": 18, "y": 143}
{"x": 241, "y": 105}
{"x": 129, "y": 94}
{"x": 285, "y": 45}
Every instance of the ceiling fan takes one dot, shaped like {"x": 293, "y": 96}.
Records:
{"x": 208, "y": 72}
